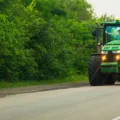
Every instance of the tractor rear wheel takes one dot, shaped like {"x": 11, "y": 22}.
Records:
{"x": 96, "y": 78}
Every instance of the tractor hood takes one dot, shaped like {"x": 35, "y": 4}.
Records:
{"x": 114, "y": 42}
{"x": 113, "y": 45}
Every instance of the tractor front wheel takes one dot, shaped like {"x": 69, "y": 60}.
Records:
{"x": 96, "y": 78}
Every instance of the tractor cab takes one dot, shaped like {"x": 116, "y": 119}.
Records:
{"x": 104, "y": 65}
{"x": 111, "y": 33}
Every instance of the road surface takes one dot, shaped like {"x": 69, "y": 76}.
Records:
{"x": 84, "y": 103}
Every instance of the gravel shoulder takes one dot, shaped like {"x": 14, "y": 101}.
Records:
{"x": 30, "y": 89}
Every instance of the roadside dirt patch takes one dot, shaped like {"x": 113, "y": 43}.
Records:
{"x": 30, "y": 89}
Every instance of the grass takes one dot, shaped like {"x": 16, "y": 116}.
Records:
{"x": 72, "y": 79}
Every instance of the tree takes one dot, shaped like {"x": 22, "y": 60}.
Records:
{"x": 44, "y": 39}
{"x": 105, "y": 17}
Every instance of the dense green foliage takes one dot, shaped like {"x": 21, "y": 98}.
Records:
{"x": 42, "y": 39}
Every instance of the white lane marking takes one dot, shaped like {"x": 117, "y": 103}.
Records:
{"x": 117, "y": 118}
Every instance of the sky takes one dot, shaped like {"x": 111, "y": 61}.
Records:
{"x": 111, "y": 7}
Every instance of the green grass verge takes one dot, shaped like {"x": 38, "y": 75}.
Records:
{"x": 72, "y": 79}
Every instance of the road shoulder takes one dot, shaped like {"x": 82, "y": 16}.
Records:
{"x": 30, "y": 89}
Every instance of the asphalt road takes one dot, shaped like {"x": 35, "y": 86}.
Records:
{"x": 84, "y": 103}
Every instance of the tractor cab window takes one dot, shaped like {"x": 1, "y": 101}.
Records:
{"x": 112, "y": 33}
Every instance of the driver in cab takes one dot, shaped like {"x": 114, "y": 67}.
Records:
{"x": 118, "y": 36}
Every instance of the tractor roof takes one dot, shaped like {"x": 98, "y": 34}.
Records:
{"x": 116, "y": 22}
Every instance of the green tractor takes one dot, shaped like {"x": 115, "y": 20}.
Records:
{"x": 104, "y": 66}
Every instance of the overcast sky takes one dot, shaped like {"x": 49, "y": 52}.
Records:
{"x": 111, "y": 7}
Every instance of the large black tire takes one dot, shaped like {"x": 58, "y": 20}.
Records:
{"x": 95, "y": 76}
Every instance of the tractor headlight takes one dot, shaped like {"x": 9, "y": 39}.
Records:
{"x": 117, "y": 57}
{"x": 104, "y": 57}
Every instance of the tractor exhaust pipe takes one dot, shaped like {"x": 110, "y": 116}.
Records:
{"x": 98, "y": 39}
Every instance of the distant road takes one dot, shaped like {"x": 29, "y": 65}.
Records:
{"x": 84, "y": 103}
